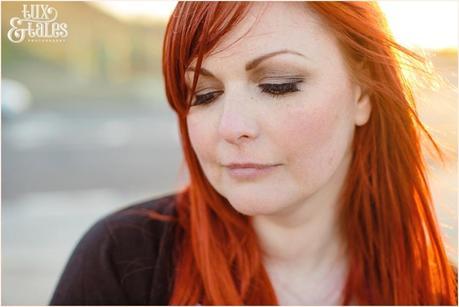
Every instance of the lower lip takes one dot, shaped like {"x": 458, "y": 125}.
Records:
{"x": 250, "y": 173}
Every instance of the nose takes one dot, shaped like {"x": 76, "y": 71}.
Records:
{"x": 238, "y": 122}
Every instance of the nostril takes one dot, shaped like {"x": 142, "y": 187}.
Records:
{"x": 234, "y": 127}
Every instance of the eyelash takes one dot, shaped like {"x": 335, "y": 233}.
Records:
{"x": 274, "y": 90}
{"x": 277, "y": 90}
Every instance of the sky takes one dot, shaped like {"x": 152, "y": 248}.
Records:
{"x": 429, "y": 24}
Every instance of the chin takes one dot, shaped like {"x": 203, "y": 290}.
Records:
{"x": 252, "y": 206}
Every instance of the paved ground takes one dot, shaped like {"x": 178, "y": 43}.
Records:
{"x": 61, "y": 171}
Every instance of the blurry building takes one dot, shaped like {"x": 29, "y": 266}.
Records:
{"x": 101, "y": 57}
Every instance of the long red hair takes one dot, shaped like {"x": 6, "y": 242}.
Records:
{"x": 396, "y": 252}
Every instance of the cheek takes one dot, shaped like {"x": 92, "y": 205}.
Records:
{"x": 203, "y": 139}
{"x": 198, "y": 130}
{"x": 317, "y": 137}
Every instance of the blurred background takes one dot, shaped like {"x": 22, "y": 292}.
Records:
{"x": 86, "y": 128}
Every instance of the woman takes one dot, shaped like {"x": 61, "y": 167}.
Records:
{"x": 307, "y": 182}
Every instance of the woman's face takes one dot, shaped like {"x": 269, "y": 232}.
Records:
{"x": 275, "y": 111}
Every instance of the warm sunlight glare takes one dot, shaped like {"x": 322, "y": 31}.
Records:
{"x": 427, "y": 24}
{"x": 147, "y": 10}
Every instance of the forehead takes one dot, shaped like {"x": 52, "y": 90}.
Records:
{"x": 274, "y": 26}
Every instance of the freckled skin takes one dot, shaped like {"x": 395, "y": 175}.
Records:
{"x": 309, "y": 132}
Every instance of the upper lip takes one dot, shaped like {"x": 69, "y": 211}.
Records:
{"x": 248, "y": 165}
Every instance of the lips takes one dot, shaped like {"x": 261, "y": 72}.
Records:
{"x": 248, "y": 165}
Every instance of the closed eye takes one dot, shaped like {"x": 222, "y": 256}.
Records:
{"x": 280, "y": 89}
{"x": 205, "y": 98}
{"x": 273, "y": 89}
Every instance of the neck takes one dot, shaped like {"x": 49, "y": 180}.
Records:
{"x": 307, "y": 231}
{"x": 304, "y": 242}
{"x": 286, "y": 239}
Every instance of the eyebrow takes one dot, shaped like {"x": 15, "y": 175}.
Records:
{"x": 251, "y": 64}
{"x": 255, "y": 62}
